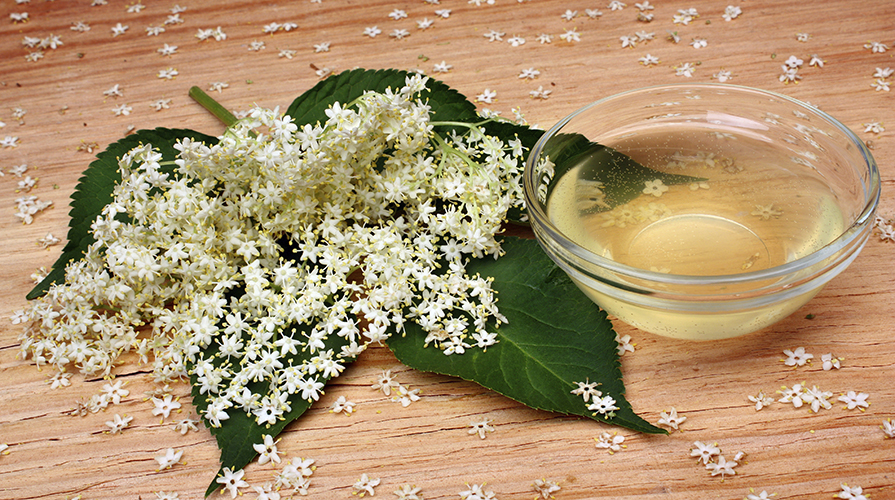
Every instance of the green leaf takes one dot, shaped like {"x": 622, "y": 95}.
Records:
{"x": 94, "y": 191}
{"x": 623, "y": 178}
{"x": 555, "y": 337}
{"x": 237, "y": 434}
{"x": 446, "y": 103}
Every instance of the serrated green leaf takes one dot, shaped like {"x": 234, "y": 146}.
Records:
{"x": 237, "y": 434}
{"x": 446, "y": 103}
{"x": 95, "y": 188}
{"x": 555, "y": 337}
{"x": 623, "y": 178}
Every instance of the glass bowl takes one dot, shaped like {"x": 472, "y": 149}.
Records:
{"x": 701, "y": 211}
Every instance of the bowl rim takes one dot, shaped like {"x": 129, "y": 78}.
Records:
{"x": 541, "y": 222}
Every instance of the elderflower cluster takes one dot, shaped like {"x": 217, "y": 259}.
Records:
{"x": 260, "y": 265}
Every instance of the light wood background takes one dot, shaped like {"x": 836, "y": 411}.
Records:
{"x": 791, "y": 452}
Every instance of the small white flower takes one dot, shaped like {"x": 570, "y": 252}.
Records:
{"x": 540, "y": 93}
{"x": 397, "y": 14}
{"x": 880, "y": 84}
{"x": 424, "y": 23}
{"x": 232, "y": 481}
{"x": 267, "y": 451}
{"x": 545, "y": 489}
{"x": 119, "y": 29}
{"x": 372, "y": 31}
{"x": 603, "y": 406}
{"x": 164, "y": 406}
{"x": 544, "y": 38}
{"x": 516, "y": 41}
{"x": 168, "y": 74}
{"x": 612, "y": 442}
{"x": 705, "y": 452}
{"x": 169, "y": 459}
{"x": 655, "y": 187}
{"x": 365, "y": 485}
{"x": 494, "y": 36}
{"x": 829, "y": 362}
{"x": 571, "y": 35}
{"x": 122, "y": 109}
{"x": 883, "y": 72}
{"x": 761, "y": 400}
{"x": 685, "y": 69}
{"x": 321, "y": 47}
{"x": 529, "y": 73}
{"x": 118, "y": 423}
{"x": 399, "y": 34}
{"x": 218, "y": 86}
{"x": 481, "y": 427}
{"x": 797, "y": 357}
{"x": 443, "y": 13}
{"x": 699, "y": 43}
{"x": 342, "y": 405}
{"x": 477, "y": 492}
{"x": 731, "y": 12}
{"x": 854, "y": 400}
{"x": 587, "y": 390}
{"x": 487, "y": 96}
{"x": 113, "y": 91}
{"x": 671, "y": 419}
{"x": 888, "y": 428}
{"x": 876, "y": 47}
{"x": 167, "y": 50}
{"x": 616, "y": 5}
{"x": 624, "y": 344}
{"x": 816, "y": 61}
{"x": 803, "y": 37}
{"x": 764, "y": 495}
{"x": 568, "y": 15}
{"x": 722, "y": 467}
{"x": 649, "y": 60}
{"x": 442, "y": 67}
{"x": 722, "y": 76}
{"x": 851, "y": 492}
{"x": 793, "y": 62}
{"x": 628, "y": 41}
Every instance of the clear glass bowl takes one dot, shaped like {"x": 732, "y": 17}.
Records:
{"x": 701, "y": 211}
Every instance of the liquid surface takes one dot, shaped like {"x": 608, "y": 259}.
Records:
{"x": 751, "y": 207}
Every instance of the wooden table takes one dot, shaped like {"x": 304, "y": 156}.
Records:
{"x": 791, "y": 452}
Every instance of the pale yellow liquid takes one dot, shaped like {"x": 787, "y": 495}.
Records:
{"x": 756, "y": 209}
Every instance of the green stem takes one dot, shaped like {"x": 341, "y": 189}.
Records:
{"x": 214, "y": 107}
{"x": 460, "y": 124}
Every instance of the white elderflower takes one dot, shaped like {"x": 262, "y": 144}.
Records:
{"x": 342, "y": 405}
{"x": 761, "y": 400}
{"x": 267, "y": 451}
{"x": 722, "y": 467}
{"x": 409, "y": 492}
{"x": 797, "y": 357}
{"x": 854, "y": 400}
{"x": 671, "y": 419}
{"x": 169, "y": 458}
{"x": 339, "y": 216}
{"x": 365, "y": 485}
{"x": 612, "y": 442}
{"x": 705, "y": 453}
{"x": 477, "y": 492}
{"x": 624, "y": 344}
{"x": 385, "y": 383}
{"x": 830, "y": 362}
{"x": 545, "y": 489}
{"x": 481, "y": 427}
{"x": 888, "y": 427}
{"x": 118, "y": 423}
{"x": 232, "y": 481}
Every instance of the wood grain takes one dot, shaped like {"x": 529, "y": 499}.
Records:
{"x": 792, "y": 452}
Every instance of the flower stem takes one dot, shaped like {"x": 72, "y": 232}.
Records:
{"x": 214, "y": 107}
